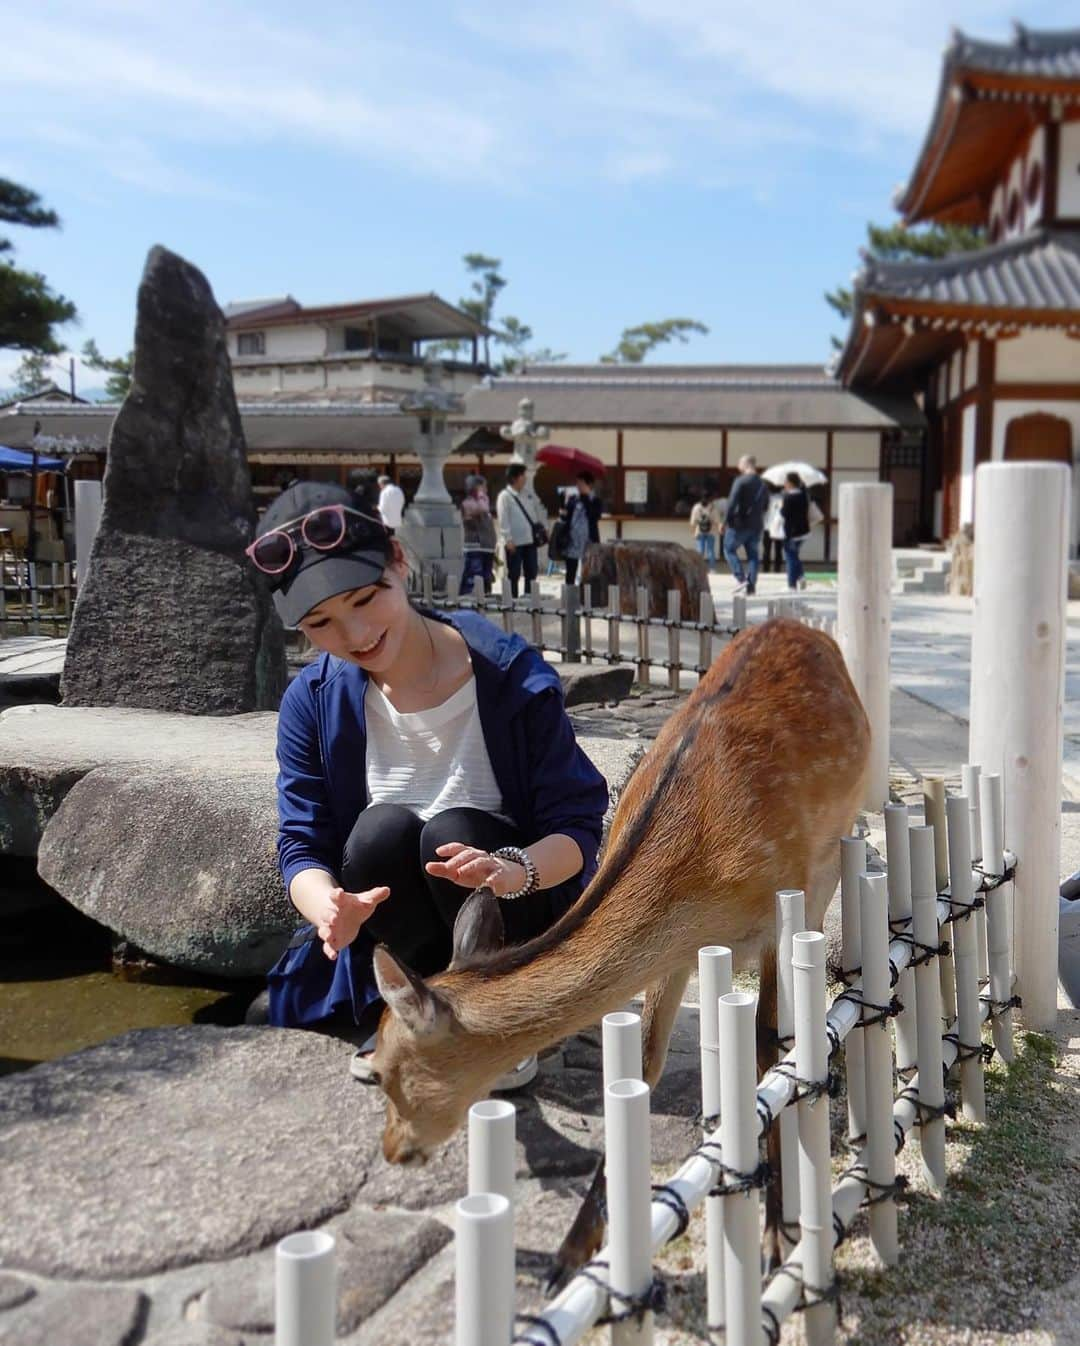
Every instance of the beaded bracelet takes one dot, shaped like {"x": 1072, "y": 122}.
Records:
{"x": 525, "y": 860}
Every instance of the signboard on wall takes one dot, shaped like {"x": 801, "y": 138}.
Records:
{"x": 636, "y": 487}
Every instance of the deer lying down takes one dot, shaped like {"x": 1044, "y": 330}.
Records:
{"x": 745, "y": 791}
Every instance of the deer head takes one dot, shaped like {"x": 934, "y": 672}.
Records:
{"x": 426, "y": 1097}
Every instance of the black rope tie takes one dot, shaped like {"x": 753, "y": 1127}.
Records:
{"x": 653, "y": 1300}
{"x": 961, "y": 911}
{"x": 988, "y": 882}
{"x": 810, "y": 1296}
{"x": 999, "y": 1007}
{"x": 839, "y": 1232}
{"x": 707, "y": 1122}
{"x": 669, "y": 1197}
{"x": 542, "y": 1325}
{"x": 883, "y": 1191}
{"x": 770, "y": 1325}
{"x": 968, "y": 1051}
{"x": 813, "y": 1089}
{"x": 765, "y": 1113}
{"x": 736, "y": 1182}
{"x": 835, "y": 1041}
{"x": 881, "y": 1013}
{"x": 929, "y": 952}
{"x": 925, "y": 1112}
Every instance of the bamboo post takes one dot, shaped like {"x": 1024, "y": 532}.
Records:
{"x": 898, "y": 878}
{"x": 571, "y": 624}
{"x": 865, "y": 577}
{"x": 738, "y": 612}
{"x": 1017, "y": 695}
{"x": 507, "y": 605}
{"x": 815, "y": 1182}
{"x": 614, "y": 626}
{"x": 484, "y": 1280}
{"x": 877, "y": 1047}
{"x": 739, "y": 1142}
{"x": 790, "y": 919}
{"x": 491, "y": 1147}
{"x": 965, "y": 961}
{"x": 305, "y": 1290}
{"x": 643, "y": 635}
{"x": 706, "y": 620}
{"x": 629, "y": 1199}
{"x": 621, "y": 1037}
{"x": 586, "y": 623}
{"x": 536, "y": 611}
{"x": 934, "y": 816}
{"x": 969, "y": 788}
{"x": 998, "y": 924}
{"x": 714, "y": 980}
{"x": 852, "y": 866}
{"x": 674, "y": 638}
{"x": 928, "y": 1005}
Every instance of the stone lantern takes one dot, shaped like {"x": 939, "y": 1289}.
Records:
{"x": 431, "y": 526}
{"x": 525, "y": 434}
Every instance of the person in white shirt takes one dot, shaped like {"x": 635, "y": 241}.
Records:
{"x": 391, "y": 502}
{"x": 516, "y": 530}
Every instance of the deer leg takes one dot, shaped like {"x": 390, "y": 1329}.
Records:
{"x": 662, "y": 1001}
{"x": 767, "y": 1044}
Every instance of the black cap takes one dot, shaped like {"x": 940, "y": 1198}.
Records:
{"x": 321, "y": 574}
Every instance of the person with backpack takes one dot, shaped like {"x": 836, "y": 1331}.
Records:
{"x": 581, "y": 514}
{"x": 745, "y": 523}
{"x": 704, "y": 525}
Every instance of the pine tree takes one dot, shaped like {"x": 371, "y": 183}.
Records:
{"x": 118, "y": 384}
{"x": 29, "y": 310}
{"x": 636, "y": 342}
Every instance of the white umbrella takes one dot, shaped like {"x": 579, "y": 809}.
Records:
{"x": 809, "y": 476}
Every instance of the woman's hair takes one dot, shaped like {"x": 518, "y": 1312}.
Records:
{"x": 587, "y": 477}
{"x": 793, "y": 479}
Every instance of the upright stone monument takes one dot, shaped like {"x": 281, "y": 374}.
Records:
{"x": 431, "y": 525}
{"x": 172, "y": 616}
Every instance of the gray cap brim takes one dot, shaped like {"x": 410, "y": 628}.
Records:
{"x": 322, "y": 576}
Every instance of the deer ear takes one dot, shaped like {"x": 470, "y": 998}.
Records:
{"x": 407, "y": 996}
{"x": 479, "y": 926}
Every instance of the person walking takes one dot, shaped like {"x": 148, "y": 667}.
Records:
{"x": 745, "y": 523}
{"x": 795, "y": 515}
{"x": 391, "y": 502}
{"x": 772, "y": 541}
{"x": 705, "y": 524}
{"x": 517, "y": 528}
{"x": 581, "y": 513}
{"x": 431, "y": 751}
{"x": 478, "y": 529}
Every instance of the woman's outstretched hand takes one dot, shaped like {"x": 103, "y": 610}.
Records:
{"x": 473, "y": 868}
{"x": 342, "y": 914}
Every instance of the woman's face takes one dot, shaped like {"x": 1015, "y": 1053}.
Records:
{"x": 365, "y": 626}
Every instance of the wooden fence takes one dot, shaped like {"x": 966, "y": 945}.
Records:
{"x": 36, "y": 597}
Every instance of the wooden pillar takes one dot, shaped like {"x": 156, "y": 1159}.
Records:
{"x": 829, "y": 496}
{"x": 620, "y": 486}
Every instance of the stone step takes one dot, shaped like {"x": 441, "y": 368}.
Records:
{"x": 930, "y": 582}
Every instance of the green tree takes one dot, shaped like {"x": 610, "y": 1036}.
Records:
{"x": 515, "y": 336}
{"x": 898, "y": 243}
{"x": 486, "y": 284}
{"x": 29, "y": 310}
{"x": 118, "y": 384}
{"x": 636, "y": 342}
{"x": 32, "y": 373}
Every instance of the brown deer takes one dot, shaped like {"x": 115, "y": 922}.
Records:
{"x": 746, "y": 790}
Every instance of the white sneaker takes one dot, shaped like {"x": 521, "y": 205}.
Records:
{"x": 740, "y": 585}
{"x": 516, "y": 1078}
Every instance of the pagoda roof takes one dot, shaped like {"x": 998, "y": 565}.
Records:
{"x": 906, "y": 315}
{"x": 991, "y": 96}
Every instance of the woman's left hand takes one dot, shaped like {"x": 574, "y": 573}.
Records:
{"x": 473, "y": 868}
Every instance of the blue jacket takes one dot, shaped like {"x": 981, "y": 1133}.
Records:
{"x": 547, "y": 783}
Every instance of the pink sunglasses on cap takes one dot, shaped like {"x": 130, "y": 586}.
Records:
{"x": 322, "y": 529}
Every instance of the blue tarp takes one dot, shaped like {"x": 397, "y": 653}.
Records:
{"x": 20, "y": 460}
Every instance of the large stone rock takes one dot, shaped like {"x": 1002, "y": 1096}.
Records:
{"x": 167, "y": 1147}
{"x": 657, "y": 566}
{"x": 78, "y": 1316}
{"x": 172, "y": 616}
{"x": 181, "y": 863}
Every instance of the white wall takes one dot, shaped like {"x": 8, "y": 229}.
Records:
{"x": 967, "y": 466}
{"x": 672, "y": 448}
{"x": 1069, "y": 170}
{"x": 303, "y": 339}
{"x": 1042, "y": 356}
{"x": 857, "y": 448}
{"x": 776, "y": 446}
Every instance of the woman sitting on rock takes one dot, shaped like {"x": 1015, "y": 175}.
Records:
{"x": 420, "y": 757}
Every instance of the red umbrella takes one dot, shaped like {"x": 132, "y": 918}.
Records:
{"x": 570, "y": 460}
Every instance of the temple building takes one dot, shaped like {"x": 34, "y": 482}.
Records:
{"x": 988, "y": 342}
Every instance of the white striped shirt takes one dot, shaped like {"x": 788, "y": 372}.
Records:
{"x": 429, "y": 760}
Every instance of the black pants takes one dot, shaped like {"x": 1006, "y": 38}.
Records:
{"x": 521, "y": 559}
{"x": 390, "y": 845}
{"x": 571, "y": 568}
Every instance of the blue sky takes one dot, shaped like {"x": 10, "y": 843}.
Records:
{"x": 626, "y": 161}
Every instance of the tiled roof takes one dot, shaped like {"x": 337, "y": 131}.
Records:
{"x": 1038, "y": 55}
{"x": 1040, "y": 270}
